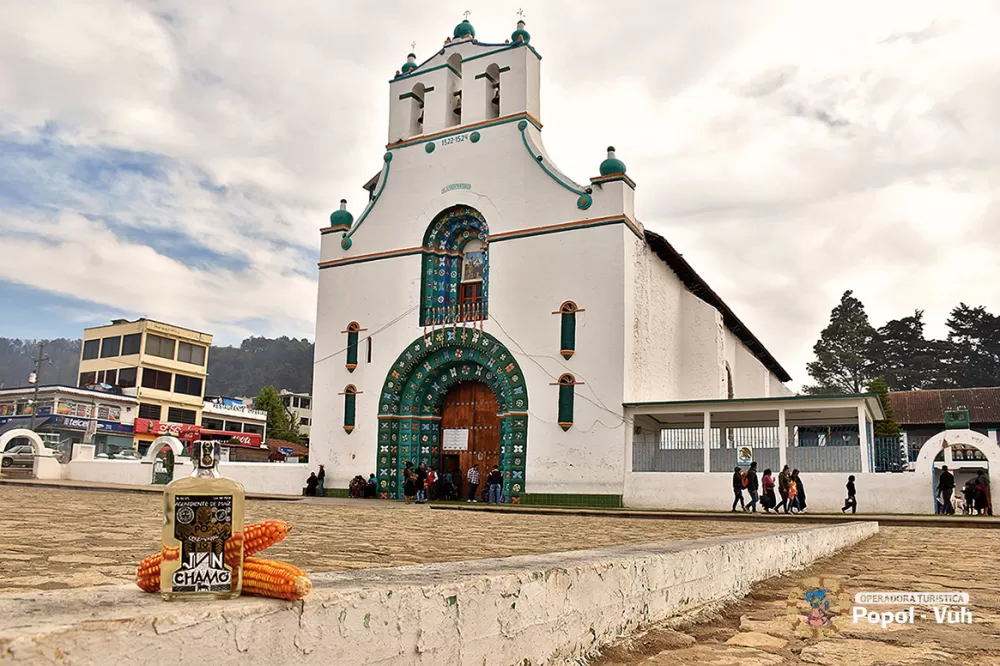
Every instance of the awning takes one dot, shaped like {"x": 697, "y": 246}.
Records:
{"x": 24, "y": 422}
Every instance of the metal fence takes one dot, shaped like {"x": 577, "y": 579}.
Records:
{"x": 650, "y": 457}
{"x": 824, "y": 458}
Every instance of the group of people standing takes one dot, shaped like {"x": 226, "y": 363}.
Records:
{"x": 974, "y": 500}
{"x": 789, "y": 485}
{"x": 419, "y": 481}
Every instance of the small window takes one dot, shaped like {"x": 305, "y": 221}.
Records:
{"x": 155, "y": 379}
{"x": 127, "y": 377}
{"x": 87, "y": 378}
{"x": 131, "y": 344}
{"x": 350, "y": 394}
{"x": 188, "y": 353}
{"x": 108, "y": 377}
{"x": 212, "y": 424}
{"x": 369, "y": 351}
{"x": 91, "y": 349}
{"x": 187, "y": 385}
{"x": 305, "y": 403}
{"x": 178, "y": 415}
{"x": 287, "y": 400}
{"x": 111, "y": 346}
{"x": 151, "y": 412}
{"x": 304, "y": 421}
{"x": 257, "y": 430}
{"x": 352, "y": 330}
{"x": 158, "y": 346}
{"x": 567, "y": 385}
{"x": 567, "y": 335}
{"x": 233, "y": 426}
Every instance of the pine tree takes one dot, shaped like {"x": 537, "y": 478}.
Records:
{"x": 972, "y": 351}
{"x": 844, "y": 352}
{"x": 904, "y": 358}
{"x": 278, "y": 426}
{"x": 887, "y": 427}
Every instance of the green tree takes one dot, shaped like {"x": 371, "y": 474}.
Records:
{"x": 278, "y": 425}
{"x": 905, "y": 359}
{"x": 887, "y": 427}
{"x": 844, "y": 351}
{"x": 972, "y": 350}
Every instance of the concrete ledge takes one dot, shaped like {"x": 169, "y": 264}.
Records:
{"x": 534, "y": 609}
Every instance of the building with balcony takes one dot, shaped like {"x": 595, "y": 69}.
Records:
{"x": 234, "y": 421}
{"x": 163, "y": 366}
{"x": 66, "y": 415}
{"x": 299, "y": 407}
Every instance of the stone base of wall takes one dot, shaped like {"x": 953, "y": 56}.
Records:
{"x": 575, "y": 500}
{"x": 537, "y": 609}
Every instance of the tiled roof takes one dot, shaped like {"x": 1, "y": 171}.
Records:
{"x": 275, "y": 445}
{"x": 927, "y": 407}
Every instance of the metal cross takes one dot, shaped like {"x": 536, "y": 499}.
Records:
{"x": 466, "y": 14}
{"x": 520, "y": 14}
{"x": 413, "y": 46}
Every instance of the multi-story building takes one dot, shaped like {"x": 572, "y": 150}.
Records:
{"x": 231, "y": 419}
{"x": 162, "y": 365}
{"x": 299, "y": 407}
{"x": 65, "y": 416}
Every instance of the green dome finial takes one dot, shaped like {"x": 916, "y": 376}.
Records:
{"x": 340, "y": 219}
{"x": 464, "y": 30}
{"x": 410, "y": 64}
{"x": 612, "y": 166}
{"x": 520, "y": 36}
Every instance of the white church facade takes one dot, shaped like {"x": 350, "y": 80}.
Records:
{"x": 485, "y": 309}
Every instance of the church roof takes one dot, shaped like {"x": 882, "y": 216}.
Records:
{"x": 927, "y": 407}
{"x": 697, "y": 286}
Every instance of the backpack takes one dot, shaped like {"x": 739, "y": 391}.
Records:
{"x": 746, "y": 479}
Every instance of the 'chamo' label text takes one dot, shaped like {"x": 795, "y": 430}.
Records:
{"x": 202, "y": 523}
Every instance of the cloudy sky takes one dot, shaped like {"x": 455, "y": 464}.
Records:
{"x": 175, "y": 159}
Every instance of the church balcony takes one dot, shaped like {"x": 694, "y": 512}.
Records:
{"x": 450, "y": 315}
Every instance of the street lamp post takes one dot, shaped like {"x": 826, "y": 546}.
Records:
{"x": 36, "y": 375}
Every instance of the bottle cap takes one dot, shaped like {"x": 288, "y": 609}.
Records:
{"x": 205, "y": 453}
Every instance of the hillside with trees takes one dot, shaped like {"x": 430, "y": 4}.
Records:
{"x": 281, "y": 362}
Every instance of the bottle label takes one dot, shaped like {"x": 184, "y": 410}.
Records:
{"x": 202, "y": 523}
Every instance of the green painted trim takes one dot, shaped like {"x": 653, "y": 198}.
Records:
{"x": 544, "y": 232}
{"x": 429, "y": 69}
{"x": 352, "y": 351}
{"x": 409, "y": 95}
{"x": 505, "y": 69}
{"x": 566, "y": 394}
{"x": 364, "y": 260}
{"x": 567, "y": 334}
{"x": 560, "y": 499}
{"x": 833, "y": 396}
{"x": 333, "y": 492}
{"x": 501, "y": 50}
{"x": 584, "y": 200}
{"x": 428, "y": 89}
{"x": 477, "y": 126}
{"x": 485, "y": 75}
{"x": 346, "y": 241}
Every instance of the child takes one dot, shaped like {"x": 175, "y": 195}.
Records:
{"x": 852, "y": 498}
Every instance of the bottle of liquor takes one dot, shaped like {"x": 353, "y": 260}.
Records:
{"x": 200, "y": 513}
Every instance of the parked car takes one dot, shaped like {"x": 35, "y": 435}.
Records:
{"x": 19, "y": 456}
{"x": 123, "y": 454}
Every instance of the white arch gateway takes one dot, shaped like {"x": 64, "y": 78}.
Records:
{"x": 46, "y": 466}
{"x": 949, "y": 438}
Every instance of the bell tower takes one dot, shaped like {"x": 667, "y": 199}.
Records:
{"x": 465, "y": 82}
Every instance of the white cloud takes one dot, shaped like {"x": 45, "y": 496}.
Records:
{"x": 791, "y": 150}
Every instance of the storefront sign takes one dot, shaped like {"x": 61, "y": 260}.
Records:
{"x": 83, "y": 424}
{"x": 455, "y": 439}
{"x": 159, "y": 428}
{"x": 249, "y": 439}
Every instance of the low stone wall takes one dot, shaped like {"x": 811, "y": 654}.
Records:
{"x": 907, "y": 492}
{"x": 258, "y": 478}
{"x": 537, "y": 609}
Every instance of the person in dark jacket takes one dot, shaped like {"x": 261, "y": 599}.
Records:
{"x": 752, "y": 487}
{"x": 783, "y": 482}
{"x": 800, "y": 496}
{"x": 946, "y": 485}
{"x": 495, "y": 480}
{"x": 982, "y": 485}
{"x": 322, "y": 480}
{"x": 738, "y": 489}
{"x": 852, "y": 496}
{"x": 311, "y": 484}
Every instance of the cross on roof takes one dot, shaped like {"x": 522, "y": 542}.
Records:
{"x": 466, "y": 14}
{"x": 520, "y": 14}
{"x": 413, "y": 46}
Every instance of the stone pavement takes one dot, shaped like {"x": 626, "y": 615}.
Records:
{"x": 765, "y": 628}
{"x": 55, "y": 538}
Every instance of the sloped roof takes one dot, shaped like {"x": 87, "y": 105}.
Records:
{"x": 697, "y": 286}
{"x": 927, "y": 407}
{"x": 275, "y": 445}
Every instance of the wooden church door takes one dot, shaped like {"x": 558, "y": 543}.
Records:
{"x": 471, "y": 406}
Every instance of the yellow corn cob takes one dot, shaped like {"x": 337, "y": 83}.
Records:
{"x": 258, "y": 537}
{"x": 270, "y": 578}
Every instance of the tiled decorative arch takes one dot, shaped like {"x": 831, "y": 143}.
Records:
{"x": 444, "y": 239}
{"x": 410, "y": 404}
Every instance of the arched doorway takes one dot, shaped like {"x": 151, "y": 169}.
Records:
{"x": 412, "y": 397}
{"x": 469, "y": 415}
{"x": 946, "y": 442}
{"x": 40, "y": 454}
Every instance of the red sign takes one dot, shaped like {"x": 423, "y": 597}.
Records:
{"x": 158, "y": 428}
{"x": 248, "y": 439}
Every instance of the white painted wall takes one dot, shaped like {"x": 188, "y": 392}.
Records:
{"x": 825, "y": 493}
{"x": 259, "y": 478}
{"x": 125, "y": 472}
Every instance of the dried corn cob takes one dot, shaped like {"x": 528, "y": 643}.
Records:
{"x": 270, "y": 578}
{"x": 257, "y": 537}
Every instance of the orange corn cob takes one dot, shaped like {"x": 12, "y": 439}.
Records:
{"x": 257, "y": 537}
{"x": 270, "y": 578}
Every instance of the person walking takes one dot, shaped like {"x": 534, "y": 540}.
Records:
{"x": 409, "y": 484}
{"x": 495, "y": 479}
{"x": 768, "y": 500}
{"x": 421, "y": 485}
{"x": 852, "y": 496}
{"x": 946, "y": 485}
{"x": 800, "y": 491}
{"x": 792, "y": 504}
{"x": 321, "y": 477}
{"x": 738, "y": 489}
{"x": 784, "y": 480}
{"x": 473, "y": 479}
{"x": 983, "y": 504}
{"x": 752, "y": 487}
{"x": 432, "y": 484}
